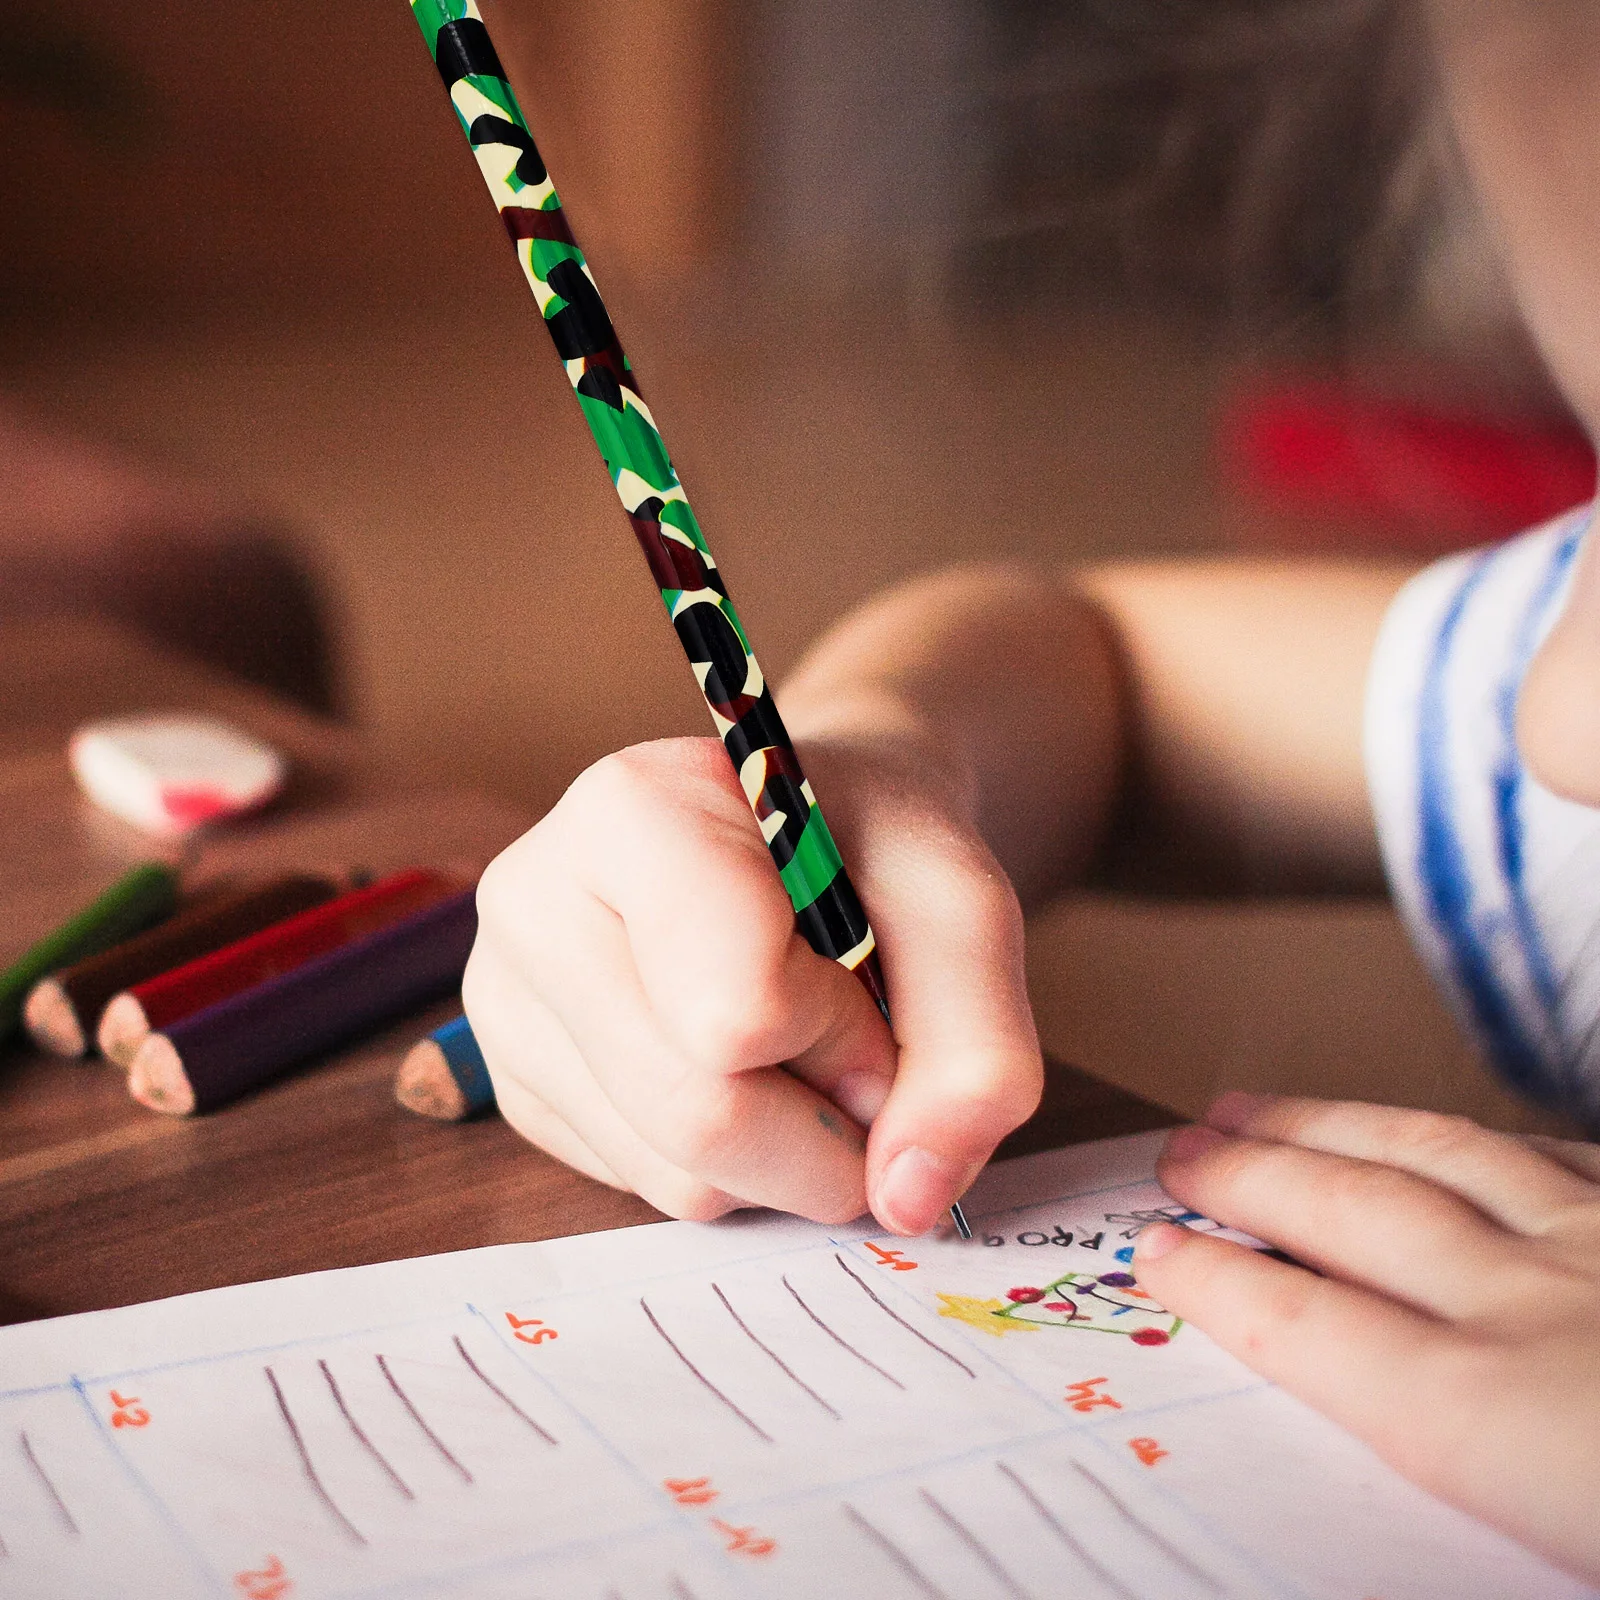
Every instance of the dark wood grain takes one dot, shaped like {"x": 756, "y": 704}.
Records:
{"x": 103, "y": 1203}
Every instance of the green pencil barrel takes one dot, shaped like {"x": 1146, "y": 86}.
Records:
{"x": 135, "y": 901}
{"x": 827, "y": 909}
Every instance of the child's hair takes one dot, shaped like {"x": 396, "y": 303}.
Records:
{"x": 1283, "y": 157}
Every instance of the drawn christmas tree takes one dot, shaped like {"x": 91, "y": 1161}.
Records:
{"x": 1106, "y": 1302}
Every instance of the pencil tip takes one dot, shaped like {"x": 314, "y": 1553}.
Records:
{"x": 959, "y": 1217}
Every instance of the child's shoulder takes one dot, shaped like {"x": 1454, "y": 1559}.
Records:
{"x": 1498, "y": 879}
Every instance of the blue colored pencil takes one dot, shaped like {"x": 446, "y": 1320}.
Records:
{"x": 444, "y": 1076}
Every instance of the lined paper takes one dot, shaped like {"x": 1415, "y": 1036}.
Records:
{"x": 760, "y": 1407}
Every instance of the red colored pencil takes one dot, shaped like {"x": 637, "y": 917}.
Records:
{"x": 229, "y": 1048}
{"x": 64, "y": 1009}
{"x": 163, "y": 1000}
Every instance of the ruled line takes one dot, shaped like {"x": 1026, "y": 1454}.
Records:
{"x": 306, "y": 1463}
{"x": 888, "y": 1311}
{"x": 417, "y": 1417}
{"x": 896, "y": 1555}
{"x": 1061, "y": 1531}
{"x": 500, "y": 1394}
{"x": 839, "y": 1339}
{"x": 771, "y": 1354}
{"x": 970, "y": 1540}
{"x": 49, "y": 1488}
{"x": 1171, "y": 1550}
{"x": 361, "y": 1434}
{"x": 749, "y": 1422}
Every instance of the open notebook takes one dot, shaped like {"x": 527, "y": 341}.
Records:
{"x": 683, "y": 1412}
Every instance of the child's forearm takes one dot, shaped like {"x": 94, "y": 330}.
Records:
{"x": 1182, "y": 723}
{"x": 998, "y": 690}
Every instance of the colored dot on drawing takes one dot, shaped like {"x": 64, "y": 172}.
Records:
{"x": 1150, "y": 1336}
{"x": 1025, "y": 1297}
{"x": 1059, "y": 1305}
{"x": 1118, "y": 1280}
{"x": 1125, "y": 1253}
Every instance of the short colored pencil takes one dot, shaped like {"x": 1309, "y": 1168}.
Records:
{"x": 224, "y": 1051}
{"x": 63, "y": 1010}
{"x": 444, "y": 1075}
{"x": 163, "y": 1000}
{"x": 137, "y": 899}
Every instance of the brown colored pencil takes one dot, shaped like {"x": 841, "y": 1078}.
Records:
{"x": 133, "y": 1014}
{"x": 223, "y": 1051}
{"x": 64, "y": 1009}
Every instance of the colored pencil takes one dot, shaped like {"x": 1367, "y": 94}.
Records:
{"x": 444, "y": 1075}
{"x": 62, "y": 1011}
{"x": 229, "y": 1048}
{"x": 145, "y": 895}
{"x": 171, "y": 996}
{"x": 827, "y": 908}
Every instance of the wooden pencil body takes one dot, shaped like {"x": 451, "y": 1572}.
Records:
{"x": 171, "y": 996}
{"x": 63, "y": 1013}
{"x": 243, "y": 1041}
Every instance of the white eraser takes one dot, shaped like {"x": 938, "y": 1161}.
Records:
{"x": 171, "y": 773}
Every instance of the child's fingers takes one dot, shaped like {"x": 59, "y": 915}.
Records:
{"x": 1498, "y": 1174}
{"x": 545, "y": 1090}
{"x": 1363, "y": 1360}
{"x": 711, "y": 930}
{"x": 1371, "y": 1224}
{"x": 760, "y": 1133}
{"x": 539, "y": 1125}
{"x": 950, "y": 931}
{"x": 1574, "y": 1155}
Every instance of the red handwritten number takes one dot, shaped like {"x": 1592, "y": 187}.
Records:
{"x": 1149, "y": 1451}
{"x": 270, "y": 1583}
{"x": 895, "y": 1260}
{"x": 690, "y": 1491}
{"x": 1083, "y": 1396}
{"x": 744, "y": 1541}
{"x": 530, "y": 1330}
{"x": 128, "y": 1413}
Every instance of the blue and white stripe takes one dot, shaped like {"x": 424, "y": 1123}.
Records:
{"x": 1497, "y": 878}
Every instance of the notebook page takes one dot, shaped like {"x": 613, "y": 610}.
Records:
{"x": 760, "y": 1407}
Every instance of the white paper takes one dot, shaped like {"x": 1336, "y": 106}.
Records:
{"x": 759, "y": 1407}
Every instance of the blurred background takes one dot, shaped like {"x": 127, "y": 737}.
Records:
{"x": 922, "y": 281}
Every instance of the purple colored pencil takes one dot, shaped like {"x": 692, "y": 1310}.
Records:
{"x": 217, "y": 1054}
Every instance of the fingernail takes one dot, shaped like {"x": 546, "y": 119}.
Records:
{"x": 1188, "y": 1143}
{"x": 1157, "y": 1241}
{"x": 861, "y": 1095}
{"x": 916, "y": 1189}
{"x": 1231, "y": 1111}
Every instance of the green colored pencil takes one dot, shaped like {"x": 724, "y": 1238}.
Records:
{"x": 135, "y": 901}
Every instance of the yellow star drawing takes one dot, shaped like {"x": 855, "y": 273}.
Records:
{"x": 981, "y": 1314}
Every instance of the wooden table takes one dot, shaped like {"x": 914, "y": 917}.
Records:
{"x": 103, "y": 1203}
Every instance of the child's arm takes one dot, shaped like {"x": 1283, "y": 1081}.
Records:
{"x": 1453, "y": 1318}
{"x": 638, "y": 978}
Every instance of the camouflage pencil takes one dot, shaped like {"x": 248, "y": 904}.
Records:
{"x": 826, "y": 906}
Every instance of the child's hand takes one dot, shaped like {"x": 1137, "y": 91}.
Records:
{"x": 1457, "y": 1329}
{"x": 638, "y": 988}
